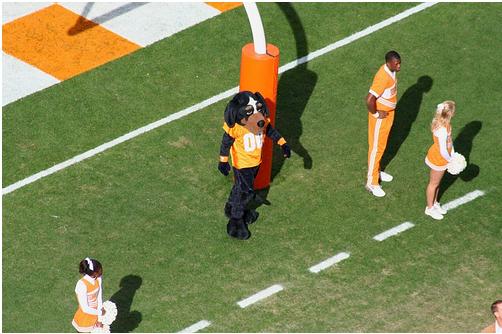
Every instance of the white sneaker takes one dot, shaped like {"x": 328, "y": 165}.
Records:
{"x": 433, "y": 213}
{"x": 385, "y": 177}
{"x": 375, "y": 190}
{"x": 439, "y": 208}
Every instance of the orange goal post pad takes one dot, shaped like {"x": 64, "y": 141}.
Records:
{"x": 259, "y": 73}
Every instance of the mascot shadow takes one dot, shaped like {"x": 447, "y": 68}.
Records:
{"x": 126, "y": 320}
{"x": 462, "y": 145}
{"x": 293, "y": 93}
{"x": 407, "y": 109}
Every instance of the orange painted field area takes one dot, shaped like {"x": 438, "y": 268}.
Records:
{"x": 62, "y": 43}
{"x": 224, "y": 6}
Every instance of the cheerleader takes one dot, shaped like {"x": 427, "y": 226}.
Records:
{"x": 438, "y": 156}
{"x": 90, "y": 296}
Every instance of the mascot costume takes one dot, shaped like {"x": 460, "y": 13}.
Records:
{"x": 246, "y": 123}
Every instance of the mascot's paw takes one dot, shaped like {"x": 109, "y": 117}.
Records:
{"x": 236, "y": 228}
{"x": 250, "y": 216}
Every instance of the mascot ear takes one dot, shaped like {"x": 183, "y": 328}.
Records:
{"x": 260, "y": 99}
{"x": 231, "y": 111}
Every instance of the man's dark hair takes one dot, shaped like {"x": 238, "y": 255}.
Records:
{"x": 495, "y": 305}
{"x": 392, "y": 55}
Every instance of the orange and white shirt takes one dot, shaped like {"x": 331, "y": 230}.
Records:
{"x": 246, "y": 149}
{"x": 440, "y": 152}
{"x": 384, "y": 88}
{"x": 90, "y": 302}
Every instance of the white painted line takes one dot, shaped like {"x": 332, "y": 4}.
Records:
{"x": 356, "y": 36}
{"x": 393, "y": 231}
{"x": 462, "y": 200}
{"x": 196, "y": 327}
{"x": 209, "y": 101}
{"x": 329, "y": 262}
{"x": 260, "y": 295}
{"x": 119, "y": 140}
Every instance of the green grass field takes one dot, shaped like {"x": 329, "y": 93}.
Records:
{"x": 151, "y": 209}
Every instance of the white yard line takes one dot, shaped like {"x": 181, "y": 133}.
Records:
{"x": 462, "y": 200}
{"x": 329, "y": 262}
{"x": 210, "y": 101}
{"x": 260, "y": 295}
{"x": 196, "y": 327}
{"x": 393, "y": 231}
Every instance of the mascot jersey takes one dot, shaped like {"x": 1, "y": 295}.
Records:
{"x": 246, "y": 149}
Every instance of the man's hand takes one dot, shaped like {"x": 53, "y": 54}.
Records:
{"x": 286, "y": 151}
{"x": 382, "y": 114}
{"x": 224, "y": 168}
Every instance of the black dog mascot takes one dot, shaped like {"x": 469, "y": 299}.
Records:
{"x": 246, "y": 122}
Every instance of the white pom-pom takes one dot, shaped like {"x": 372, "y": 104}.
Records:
{"x": 104, "y": 329}
{"x": 110, "y": 313}
{"x": 457, "y": 164}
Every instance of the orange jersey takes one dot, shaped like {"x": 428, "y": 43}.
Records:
{"x": 246, "y": 149}
{"x": 84, "y": 322}
{"x": 384, "y": 88}
{"x": 434, "y": 155}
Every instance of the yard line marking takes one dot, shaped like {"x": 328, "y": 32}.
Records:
{"x": 393, "y": 231}
{"x": 329, "y": 262}
{"x": 260, "y": 295}
{"x": 356, "y": 36}
{"x": 462, "y": 200}
{"x": 210, "y": 100}
{"x": 196, "y": 327}
{"x": 119, "y": 140}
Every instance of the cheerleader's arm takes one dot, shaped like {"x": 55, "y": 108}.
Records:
{"x": 442, "y": 136}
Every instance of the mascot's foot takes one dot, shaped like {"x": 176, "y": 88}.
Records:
{"x": 228, "y": 209}
{"x": 236, "y": 228}
{"x": 250, "y": 216}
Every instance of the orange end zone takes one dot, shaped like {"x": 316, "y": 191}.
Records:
{"x": 62, "y": 43}
{"x": 224, "y": 6}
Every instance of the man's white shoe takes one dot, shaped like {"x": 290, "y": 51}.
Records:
{"x": 375, "y": 190}
{"x": 433, "y": 213}
{"x": 385, "y": 177}
{"x": 439, "y": 208}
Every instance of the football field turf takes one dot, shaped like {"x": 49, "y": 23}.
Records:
{"x": 151, "y": 209}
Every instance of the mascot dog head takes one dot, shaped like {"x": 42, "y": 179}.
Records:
{"x": 247, "y": 109}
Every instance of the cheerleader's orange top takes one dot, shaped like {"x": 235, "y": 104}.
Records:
{"x": 434, "y": 154}
{"x": 82, "y": 321}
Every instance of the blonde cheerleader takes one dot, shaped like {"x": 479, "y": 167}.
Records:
{"x": 89, "y": 296}
{"x": 439, "y": 156}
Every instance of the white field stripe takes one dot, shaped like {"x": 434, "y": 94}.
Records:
{"x": 393, "y": 231}
{"x": 211, "y": 100}
{"x": 196, "y": 327}
{"x": 462, "y": 200}
{"x": 329, "y": 262}
{"x": 119, "y": 140}
{"x": 356, "y": 36}
{"x": 260, "y": 295}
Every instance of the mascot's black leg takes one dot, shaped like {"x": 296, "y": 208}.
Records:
{"x": 250, "y": 216}
{"x": 236, "y": 228}
{"x": 228, "y": 210}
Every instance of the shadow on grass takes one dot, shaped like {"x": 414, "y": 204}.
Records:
{"x": 405, "y": 115}
{"x": 463, "y": 145}
{"x": 293, "y": 93}
{"x": 126, "y": 320}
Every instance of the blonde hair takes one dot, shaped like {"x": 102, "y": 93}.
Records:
{"x": 444, "y": 113}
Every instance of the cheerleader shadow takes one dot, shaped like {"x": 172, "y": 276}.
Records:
{"x": 126, "y": 320}
{"x": 463, "y": 145}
